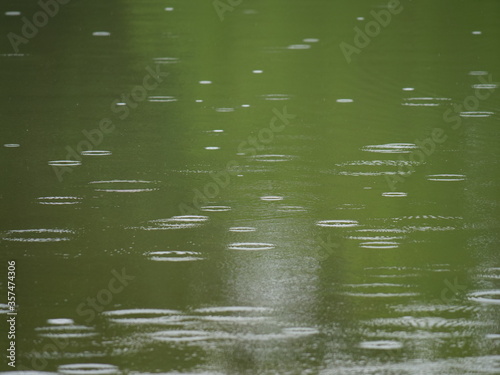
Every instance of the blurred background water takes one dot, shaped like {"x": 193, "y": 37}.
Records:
{"x": 251, "y": 187}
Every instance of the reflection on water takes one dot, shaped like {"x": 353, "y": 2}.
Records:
{"x": 236, "y": 215}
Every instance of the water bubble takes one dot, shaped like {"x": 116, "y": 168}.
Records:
{"x": 345, "y": 100}
{"x": 12, "y": 145}
{"x": 205, "y": 82}
{"x": 12, "y": 13}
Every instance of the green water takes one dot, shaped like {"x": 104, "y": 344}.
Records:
{"x": 268, "y": 187}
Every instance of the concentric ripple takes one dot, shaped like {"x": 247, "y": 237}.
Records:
{"x": 59, "y": 201}
{"x": 491, "y": 297}
{"x": 174, "y": 256}
{"x": 251, "y": 246}
{"x": 381, "y": 345}
{"x": 123, "y": 186}
{"x": 446, "y": 177}
{"x": 337, "y": 223}
{"x": 134, "y": 317}
{"x": 88, "y": 369}
{"x": 176, "y": 222}
{"x": 390, "y": 148}
{"x": 38, "y": 235}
